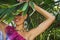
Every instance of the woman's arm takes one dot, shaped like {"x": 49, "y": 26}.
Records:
{"x": 44, "y": 25}
{"x": 2, "y": 28}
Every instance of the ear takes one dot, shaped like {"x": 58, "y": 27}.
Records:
{"x": 25, "y": 16}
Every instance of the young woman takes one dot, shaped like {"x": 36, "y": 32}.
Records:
{"x": 30, "y": 35}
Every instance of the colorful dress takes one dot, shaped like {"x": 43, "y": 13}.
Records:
{"x": 12, "y": 34}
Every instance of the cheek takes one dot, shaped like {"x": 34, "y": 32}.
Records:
{"x": 21, "y": 20}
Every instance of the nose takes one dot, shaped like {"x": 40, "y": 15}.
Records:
{"x": 16, "y": 17}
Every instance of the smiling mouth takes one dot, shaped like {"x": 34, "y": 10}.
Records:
{"x": 15, "y": 20}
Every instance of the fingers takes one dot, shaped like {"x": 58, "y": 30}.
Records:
{"x": 22, "y": 0}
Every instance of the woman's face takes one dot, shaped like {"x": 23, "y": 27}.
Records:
{"x": 19, "y": 19}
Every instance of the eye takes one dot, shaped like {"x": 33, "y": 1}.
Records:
{"x": 19, "y": 14}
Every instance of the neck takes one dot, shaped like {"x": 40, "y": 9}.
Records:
{"x": 20, "y": 27}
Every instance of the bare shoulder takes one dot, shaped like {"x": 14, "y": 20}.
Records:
{"x": 2, "y": 25}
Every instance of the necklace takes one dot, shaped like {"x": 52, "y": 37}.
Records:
{"x": 22, "y": 30}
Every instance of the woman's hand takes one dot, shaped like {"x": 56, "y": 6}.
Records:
{"x": 22, "y": 0}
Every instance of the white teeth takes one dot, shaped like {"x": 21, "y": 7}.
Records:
{"x": 16, "y": 20}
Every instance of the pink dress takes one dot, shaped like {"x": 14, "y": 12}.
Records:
{"x": 12, "y": 34}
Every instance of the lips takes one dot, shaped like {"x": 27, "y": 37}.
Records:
{"x": 16, "y": 20}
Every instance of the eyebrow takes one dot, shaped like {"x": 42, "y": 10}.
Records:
{"x": 20, "y": 14}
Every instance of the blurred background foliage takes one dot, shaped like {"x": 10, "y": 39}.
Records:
{"x": 52, "y": 6}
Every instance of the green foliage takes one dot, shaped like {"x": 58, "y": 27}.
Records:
{"x": 8, "y": 1}
{"x": 10, "y": 11}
